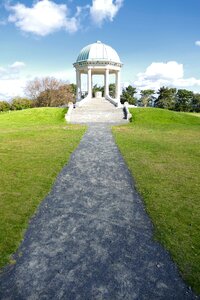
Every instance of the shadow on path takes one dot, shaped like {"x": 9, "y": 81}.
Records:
{"x": 91, "y": 237}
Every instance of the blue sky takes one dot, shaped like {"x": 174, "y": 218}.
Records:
{"x": 158, "y": 41}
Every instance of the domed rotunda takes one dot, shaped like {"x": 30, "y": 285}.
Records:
{"x": 98, "y": 59}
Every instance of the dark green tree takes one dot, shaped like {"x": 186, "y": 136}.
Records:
{"x": 147, "y": 97}
{"x": 166, "y": 98}
{"x": 128, "y": 95}
{"x": 112, "y": 90}
{"x": 184, "y": 100}
{"x": 97, "y": 88}
{"x": 196, "y": 103}
{"x": 73, "y": 88}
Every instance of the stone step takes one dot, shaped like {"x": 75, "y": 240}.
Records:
{"x": 100, "y": 111}
{"x": 97, "y": 110}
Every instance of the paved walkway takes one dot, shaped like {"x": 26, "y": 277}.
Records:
{"x": 91, "y": 237}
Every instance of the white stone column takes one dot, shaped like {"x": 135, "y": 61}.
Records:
{"x": 80, "y": 90}
{"x": 89, "y": 82}
{"x": 117, "y": 86}
{"x": 104, "y": 93}
{"x": 106, "y": 88}
{"x": 78, "y": 85}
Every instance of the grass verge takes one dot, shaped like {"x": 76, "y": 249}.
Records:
{"x": 162, "y": 150}
{"x": 34, "y": 146}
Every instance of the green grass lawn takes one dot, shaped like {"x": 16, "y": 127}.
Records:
{"x": 34, "y": 146}
{"x": 162, "y": 150}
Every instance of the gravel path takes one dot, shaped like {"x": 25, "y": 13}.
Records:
{"x": 91, "y": 237}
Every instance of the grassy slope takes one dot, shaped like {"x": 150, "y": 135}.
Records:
{"x": 34, "y": 146}
{"x": 162, "y": 150}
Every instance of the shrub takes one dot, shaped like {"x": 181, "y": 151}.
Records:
{"x": 19, "y": 103}
{"x": 4, "y": 106}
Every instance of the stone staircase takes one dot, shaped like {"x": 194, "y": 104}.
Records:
{"x": 97, "y": 110}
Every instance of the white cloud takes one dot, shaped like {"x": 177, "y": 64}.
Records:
{"x": 187, "y": 82}
{"x": 11, "y": 88}
{"x": 197, "y": 43}
{"x": 104, "y": 10}
{"x": 11, "y": 83}
{"x": 17, "y": 65}
{"x": 169, "y": 70}
{"x": 46, "y": 16}
{"x": 68, "y": 75}
{"x": 12, "y": 71}
{"x": 43, "y": 18}
{"x": 165, "y": 74}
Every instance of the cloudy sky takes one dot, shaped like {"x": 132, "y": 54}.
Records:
{"x": 157, "y": 40}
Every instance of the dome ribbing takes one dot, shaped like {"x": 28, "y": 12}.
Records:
{"x": 98, "y": 52}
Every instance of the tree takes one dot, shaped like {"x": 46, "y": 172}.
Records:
{"x": 19, "y": 103}
{"x": 166, "y": 98}
{"x": 184, "y": 100}
{"x": 73, "y": 88}
{"x": 128, "y": 95}
{"x": 64, "y": 95}
{"x": 49, "y": 91}
{"x": 97, "y": 88}
{"x": 195, "y": 103}
{"x": 52, "y": 98}
{"x": 112, "y": 90}
{"x": 146, "y": 97}
{"x": 39, "y": 85}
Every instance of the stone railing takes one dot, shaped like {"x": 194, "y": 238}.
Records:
{"x": 112, "y": 100}
{"x": 83, "y": 101}
{"x": 127, "y": 114}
